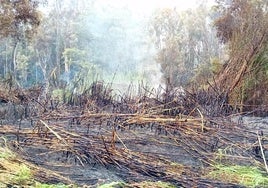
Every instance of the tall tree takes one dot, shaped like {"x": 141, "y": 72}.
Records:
{"x": 243, "y": 25}
{"x": 18, "y": 20}
{"x": 184, "y": 41}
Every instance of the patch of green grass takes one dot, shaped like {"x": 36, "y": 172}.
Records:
{"x": 23, "y": 175}
{"x": 57, "y": 93}
{"x": 14, "y": 172}
{"x": 5, "y": 153}
{"x": 113, "y": 185}
{"x": 244, "y": 175}
{"x": 158, "y": 184}
{"x": 42, "y": 185}
{"x": 144, "y": 184}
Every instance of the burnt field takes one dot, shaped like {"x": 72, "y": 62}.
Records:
{"x": 97, "y": 136}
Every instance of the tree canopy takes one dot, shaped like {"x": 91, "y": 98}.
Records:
{"x": 243, "y": 27}
{"x": 19, "y": 19}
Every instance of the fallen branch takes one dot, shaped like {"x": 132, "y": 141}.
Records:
{"x": 262, "y": 153}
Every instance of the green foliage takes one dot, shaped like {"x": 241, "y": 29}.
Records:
{"x": 242, "y": 26}
{"x": 19, "y": 20}
{"x": 215, "y": 65}
{"x": 113, "y": 185}
{"x": 43, "y": 185}
{"x": 244, "y": 175}
{"x": 57, "y": 94}
{"x": 185, "y": 43}
{"x": 72, "y": 55}
{"x": 14, "y": 172}
{"x": 5, "y": 153}
{"x": 252, "y": 89}
{"x": 23, "y": 176}
{"x": 145, "y": 184}
{"x": 158, "y": 184}
{"x": 202, "y": 75}
{"x": 205, "y": 72}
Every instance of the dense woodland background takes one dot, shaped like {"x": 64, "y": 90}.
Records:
{"x": 67, "y": 45}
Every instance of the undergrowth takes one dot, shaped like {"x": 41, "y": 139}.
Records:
{"x": 14, "y": 173}
{"x": 244, "y": 175}
{"x": 144, "y": 184}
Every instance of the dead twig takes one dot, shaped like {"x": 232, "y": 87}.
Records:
{"x": 262, "y": 153}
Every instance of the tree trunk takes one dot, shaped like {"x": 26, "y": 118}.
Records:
{"x": 14, "y": 63}
{"x": 6, "y": 68}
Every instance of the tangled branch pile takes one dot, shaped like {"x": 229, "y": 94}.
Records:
{"x": 170, "y": 137}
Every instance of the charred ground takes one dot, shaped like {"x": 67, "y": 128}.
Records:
{"x": 98, "y": 136}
